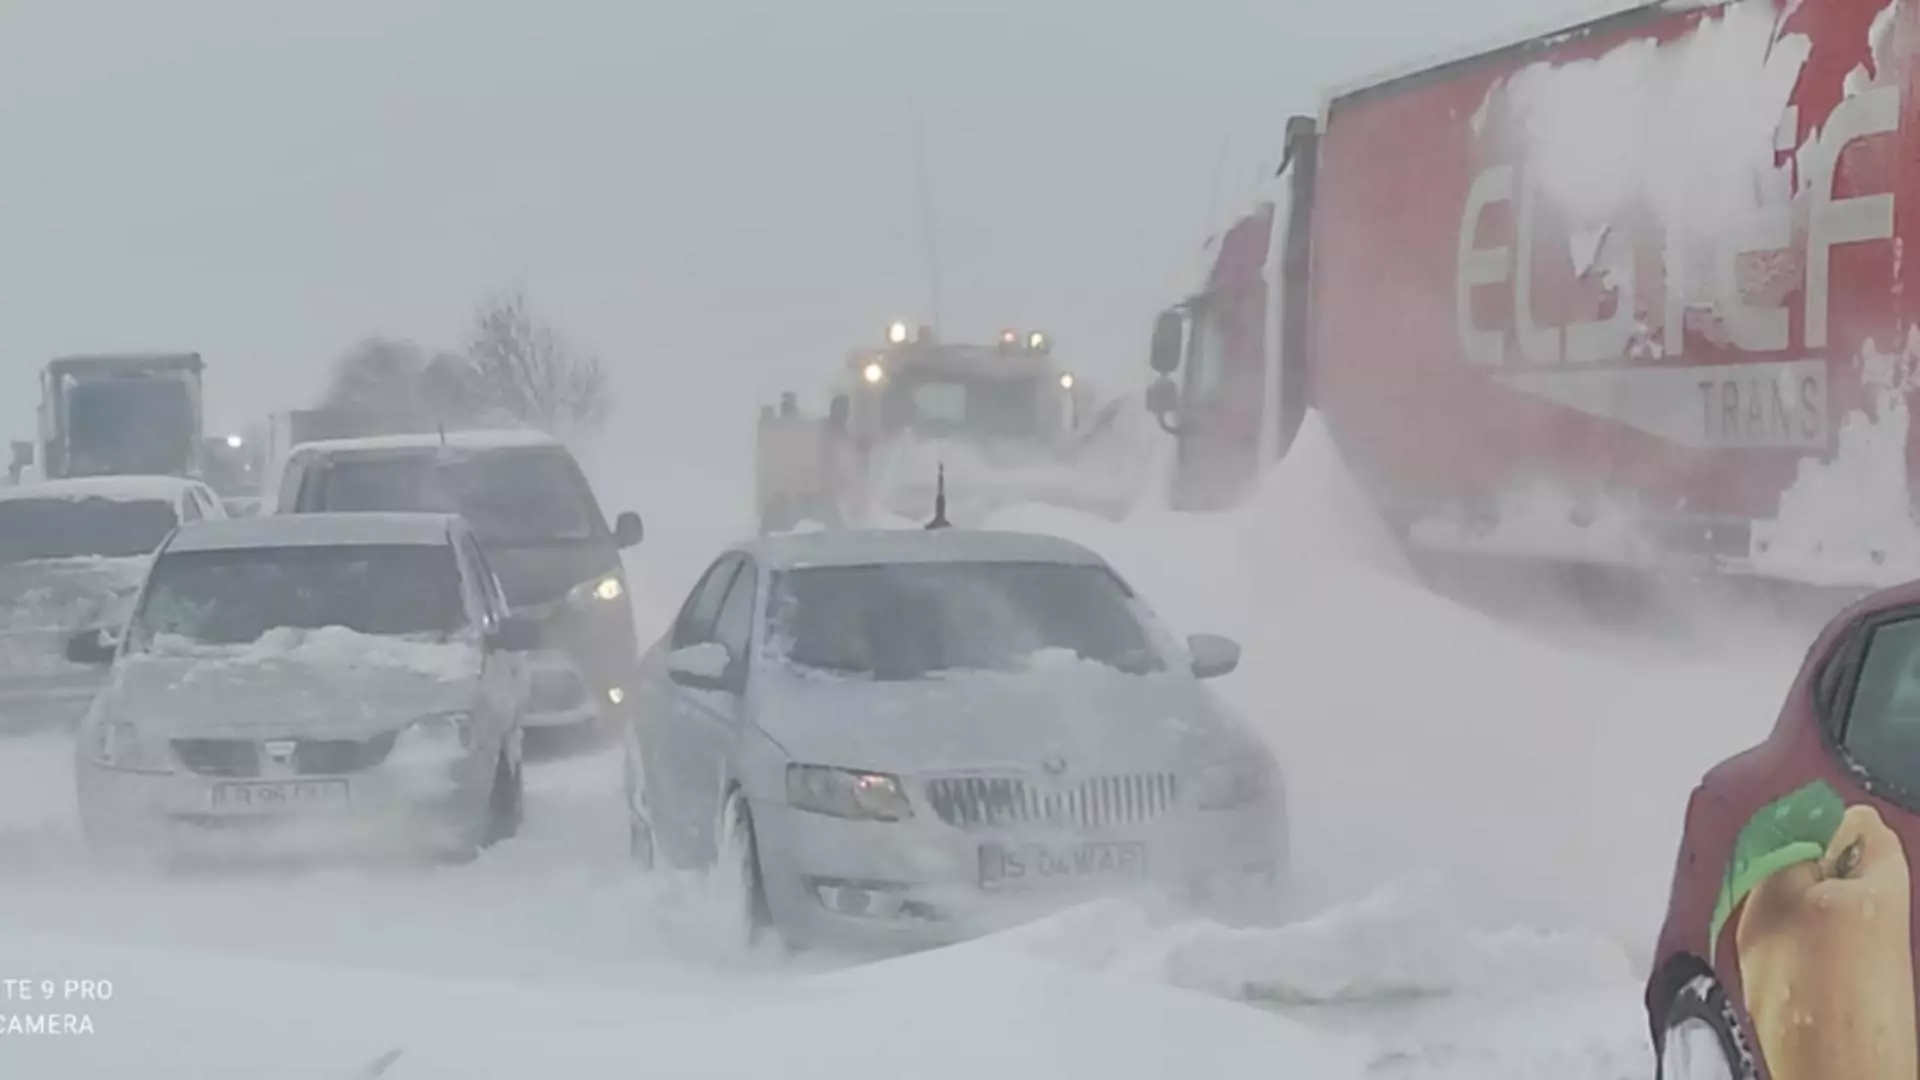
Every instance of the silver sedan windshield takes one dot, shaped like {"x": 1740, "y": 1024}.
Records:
{"x": 907, "y": 621}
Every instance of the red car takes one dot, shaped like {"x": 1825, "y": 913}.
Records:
{"x": 1787, "y": 951}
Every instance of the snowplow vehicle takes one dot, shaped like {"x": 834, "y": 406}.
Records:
{"x": 1005, "y": 422}
{"x": 1643, "y": 309}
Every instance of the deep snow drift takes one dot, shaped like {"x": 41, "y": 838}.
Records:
{"x": 1537, "y": 783}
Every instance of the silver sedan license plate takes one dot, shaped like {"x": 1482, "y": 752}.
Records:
{"x": 242, "y": 798}
{"x": 1091, "y": 861}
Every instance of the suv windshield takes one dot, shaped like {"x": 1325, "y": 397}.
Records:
{"x": 235, "y": 597}
{"x": 58, "y": 528}
{"x": 528, "y": 496}
{"x": 906, "y": 621}
{"x": 942, "y": 405}
{"x": 508, "y": 497}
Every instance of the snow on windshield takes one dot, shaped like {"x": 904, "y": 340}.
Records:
{"x": 93, "y": 527}
{"x": 522, "y": 496}
{"x": 225, "y": 598}
{"x": 907, "y": 621}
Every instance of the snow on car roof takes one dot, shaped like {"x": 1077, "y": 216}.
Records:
{"x": 115, "y": 488}
{"x": 314, "y": 530}
{"x": 488, "y": 439}
{"x": 870, "y": 547}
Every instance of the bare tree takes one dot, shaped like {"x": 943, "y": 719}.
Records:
{"x": 526, "y": 369}
{"x": 376, "y": 374}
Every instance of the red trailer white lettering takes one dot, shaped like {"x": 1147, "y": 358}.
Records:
{"x": 1643, "y": 263}
{"x": 1735, "y": 409}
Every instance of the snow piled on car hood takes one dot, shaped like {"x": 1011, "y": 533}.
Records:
{"x": 331, "y": 678}
{"x": 952, "y": 1014}
{"x": 326, "y": 646}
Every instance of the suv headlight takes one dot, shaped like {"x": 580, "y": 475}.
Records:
{"x": 441, "y": 737}
{"x": 606, "y": 589}
{"x": 1225, "y": 787}
{"x": 118, "y": 744}
{"x": 847, "y": 793}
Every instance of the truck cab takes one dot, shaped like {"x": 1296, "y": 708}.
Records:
{"x": 1231, "y": 358}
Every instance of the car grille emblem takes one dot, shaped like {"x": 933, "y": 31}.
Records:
{"x": 1054, "y": 766}
{"x": 280, "y": 754}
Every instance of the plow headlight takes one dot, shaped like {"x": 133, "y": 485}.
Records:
{"x": 1036, "y": 341}
{"x": 873, "y": 373}
{"x": 1066, "y": 380}
{"x": 897, "y": 334}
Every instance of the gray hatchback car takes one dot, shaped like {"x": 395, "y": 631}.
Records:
{"x": 901, "y": 738}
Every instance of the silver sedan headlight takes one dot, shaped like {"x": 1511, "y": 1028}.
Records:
{"x": 1227, "y": 787}
{"x": 118, "y": 744}
{"x": 440, "y": 738}
{"x": 847, "y": 793}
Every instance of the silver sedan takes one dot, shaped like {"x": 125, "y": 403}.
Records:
{"x": 903, "y": 738}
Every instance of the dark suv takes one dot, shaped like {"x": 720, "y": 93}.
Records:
{"x": 529, "y": 503}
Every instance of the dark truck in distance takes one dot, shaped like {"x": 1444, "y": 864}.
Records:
{"x": 121, "y": 415}
{"x": 544, "y": 533}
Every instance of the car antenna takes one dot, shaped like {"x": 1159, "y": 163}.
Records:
{"x": 940, "y": 500}
{"x": 443, "y": 436}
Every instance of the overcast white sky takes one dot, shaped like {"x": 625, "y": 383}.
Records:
{"x": 718, "y": 196}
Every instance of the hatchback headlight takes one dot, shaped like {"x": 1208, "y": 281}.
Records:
{"x": 118, "y": 744}
{"x": 847, "y": 793}
{"x": 440, "y": 737}
{"x": 1225, "y": 787}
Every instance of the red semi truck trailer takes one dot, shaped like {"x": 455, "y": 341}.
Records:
{"x": 1629, "y": 293}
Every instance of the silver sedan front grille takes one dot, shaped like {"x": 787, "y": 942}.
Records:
{"x": 987, "y": 802}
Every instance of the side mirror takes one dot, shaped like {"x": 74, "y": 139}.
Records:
{"x": 1163, "y": 397}
{"x": 516, "y": 633}
{"x": 837, "y": 414}
{"x": 1213, "y": 655}
{"x": 628, "y": 530}
{"x": 92, "y": 647}
{"x": 702, "y": 667}
{"x": 1169, "y": 332}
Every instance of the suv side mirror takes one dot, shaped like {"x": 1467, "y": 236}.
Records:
{"x": 92, "y": 647}
{"x": 1213, "y": 655}
{"x": 838, "y": 414}
{"x": 703, "y": 667}
{"x": 516, "y": 633}
{"x": 1169, "y": 332}
{"x": 628, "y": 530}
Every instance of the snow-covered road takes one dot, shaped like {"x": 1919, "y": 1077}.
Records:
{"x": 1484, "y": 824}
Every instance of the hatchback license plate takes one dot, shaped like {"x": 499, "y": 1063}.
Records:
{"x": 1003, "y": 866}
{"x": 288, "y": 795}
